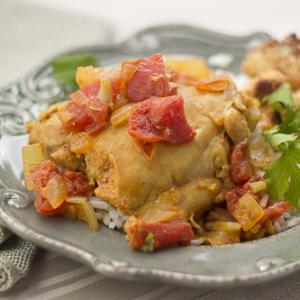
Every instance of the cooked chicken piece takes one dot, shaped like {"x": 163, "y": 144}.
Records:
{"x": 127, "y": 180}
{"x": 187, "y": 177}
{"x": 282, "y": 56}
{"x": 48, "y": 131}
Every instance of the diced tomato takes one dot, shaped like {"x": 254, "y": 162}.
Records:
{"x": 116, "y": 86}
{"x": 240, "y": 165}
{"x": 43, "y": 206}
{"x": 275, "y": 211}
{"x": 87, "y": 112}
{"x": 233, "y": 195}
{"x": 77, "y": 185}
{"x": 160, "y": 119}
{"x": 149, "y": 80}
{"x": 164, "y": 234}
{"x": 91, "y": 90}
{"x": 43, "y": 172}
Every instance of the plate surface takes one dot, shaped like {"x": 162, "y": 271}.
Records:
{"x": 106, "y": 251}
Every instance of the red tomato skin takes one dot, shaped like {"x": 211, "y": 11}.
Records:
{"x": 160, "y": 119}
{"x": 89, "y": 113}
{"x": 77, "y": 185}
{"x": 43, "y": 206}
{"x": 233, "y": 195}
{"x": 240, "y": 165}
{"x": 164, "y": 234}
{"x": 150, "y": 79}
{"x": 275, "y": 211}
{"x": 91, "y": 90}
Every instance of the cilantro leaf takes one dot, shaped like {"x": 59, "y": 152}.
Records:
{"x": 283, "y": 175}
{"x": 149, "y": 243}
{"x": 291, "y": 122}
{"x": 281, "y": 98}
{"x": 65, "y": 66}
{"x": 276, "y": 138}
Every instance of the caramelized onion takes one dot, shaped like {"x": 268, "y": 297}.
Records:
{"x": 248, "y": 212}
{"x": 84, "y": 211}
{"x": 147, "y": 149}
{"x": 31, "y": 155}
{"x": 221, "y": 237}
{"x": 55, "y": 191}
{"x": 121, "y": 115}
{"x": 127, "y": 72}
{"x": 105, "y": 92}
{"x": 216, "y": 84}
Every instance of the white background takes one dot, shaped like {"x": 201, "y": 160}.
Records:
{"x": 278, "y": 17}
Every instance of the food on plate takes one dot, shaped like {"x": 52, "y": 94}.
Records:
{"x": 171, "y": 152}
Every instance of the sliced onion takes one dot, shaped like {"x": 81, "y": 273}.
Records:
{"x": 221, "y": 237}
{"x": 127, "y": 72}
{"x": 81, "y": 143}
{"x": 147, "y": 149}
{"x": 70, "y": 211}
{"x": 55, "y": 191}
{"x": 84, "y": 211}
{"x": 86, "y": 75}
{"x": 194, "y": 224}
{"x": 105, "y": 92}
{"x": 31, "y": 155}
{"x": 121, "y": 115}
{"x": 223, "y": 226}
{"x": 248, "y": 212}
{"x": 216, "y": 84}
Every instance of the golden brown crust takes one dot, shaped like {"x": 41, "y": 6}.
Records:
{"x": 282, "y": 56}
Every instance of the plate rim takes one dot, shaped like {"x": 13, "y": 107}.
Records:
{"x": 114, "y": 268}
{"x": 118, "y": 269}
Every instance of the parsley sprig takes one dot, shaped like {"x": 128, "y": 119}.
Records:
{"x": 65, "y": 66}
{"x": 283, "y": 174}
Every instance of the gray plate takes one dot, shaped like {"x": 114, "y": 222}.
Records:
{"x": 106, "y": 251}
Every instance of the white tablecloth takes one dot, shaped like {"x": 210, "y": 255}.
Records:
{"x": 30, "y": 33}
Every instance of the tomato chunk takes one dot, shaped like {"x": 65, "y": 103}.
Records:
{"x": 87, "y": 112}
{"x": 91, "y": 90}
{"x": 162, "y": 234}
{"x": 233, "y": 195}
{"x": 275, "y": 211}
{"x": 240, "y": 165}
{"x": 160, "y": 119}
{"x": 76, "y": 183}
{"x": 148, "y": 80}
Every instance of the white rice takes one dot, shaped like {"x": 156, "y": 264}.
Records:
{"x": 107, "y": 214}
{"x": 197, "y": 242}
{"x": 114, "y": 219}
{"x": 286, "y": 221}
{"x": 264, "y": 201}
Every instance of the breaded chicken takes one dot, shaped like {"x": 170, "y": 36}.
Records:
{"x": 187, "y": 176}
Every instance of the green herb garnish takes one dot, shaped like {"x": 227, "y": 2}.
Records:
{"x": 64, "y": 68}
{"x": 149, "y": 243}
{"x": 281, "y": 98}
{"x": 283, "y": 174}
